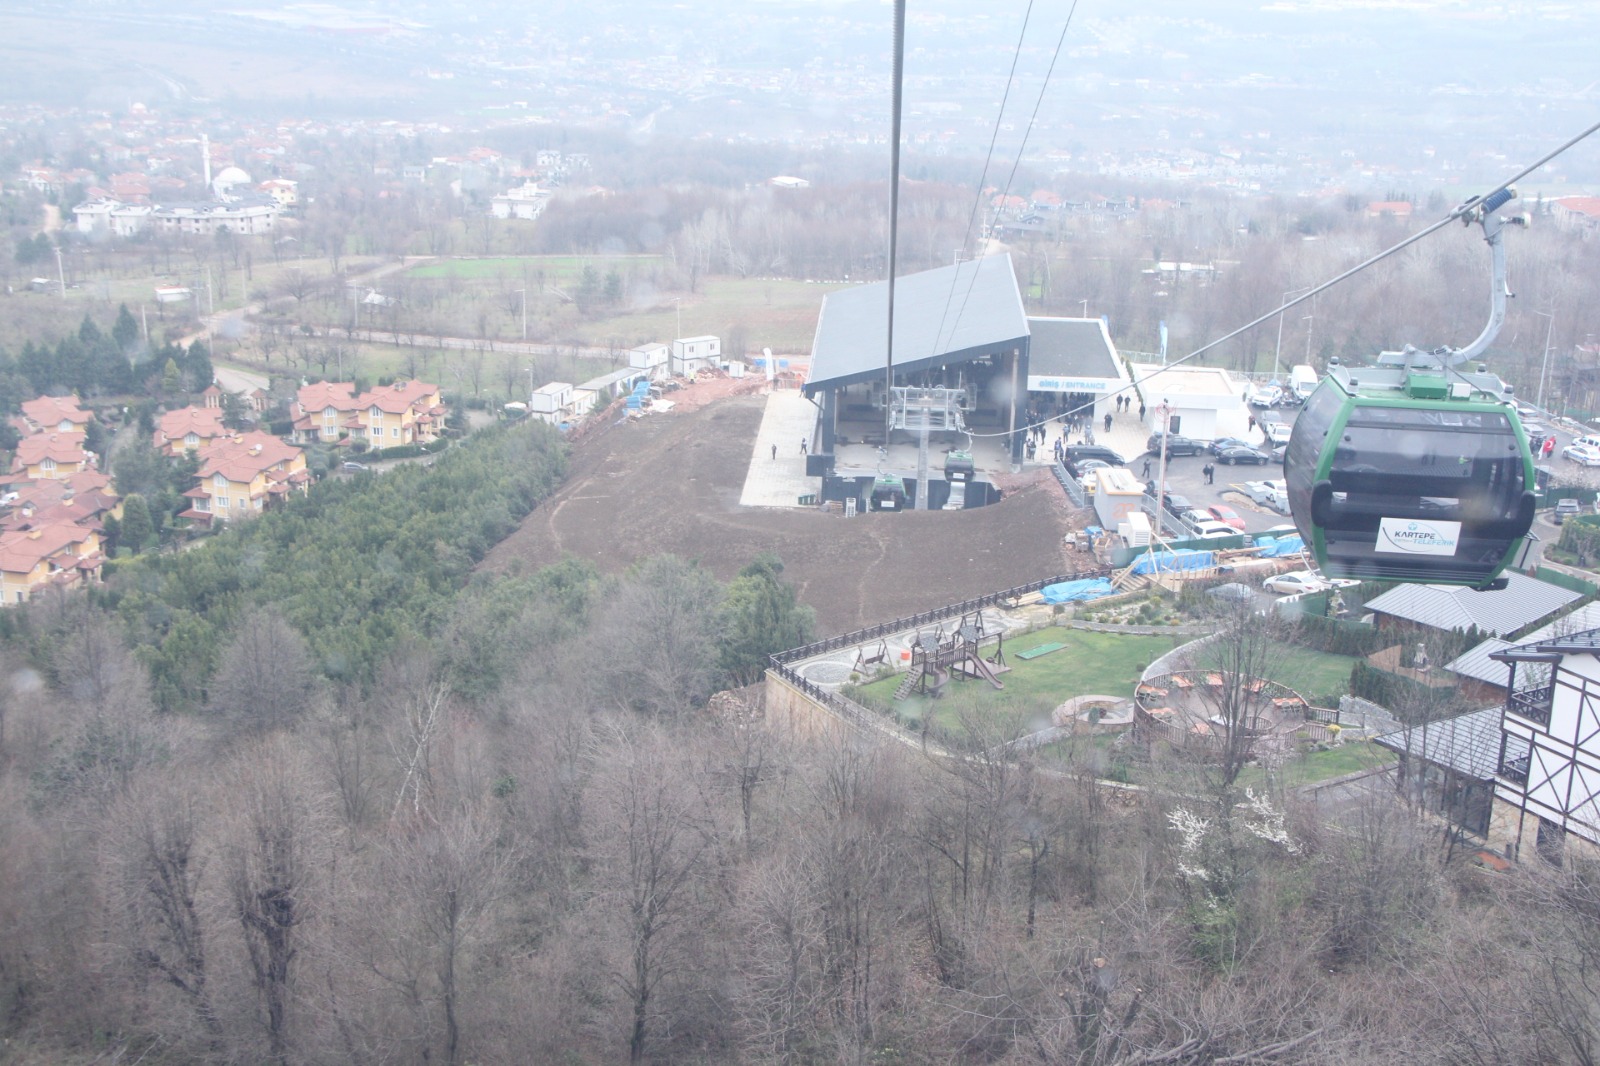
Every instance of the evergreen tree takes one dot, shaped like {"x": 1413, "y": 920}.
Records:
{"x": 138, "y": 532}
{"x": 761, "y": 614}
{"x": 171, "y": 379}
{"x": 126, "y": 331}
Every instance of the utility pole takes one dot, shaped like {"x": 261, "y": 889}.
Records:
{"x": 524, "y": 294}
{"x": 61, "y": 274}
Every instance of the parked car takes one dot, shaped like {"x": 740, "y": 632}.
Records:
{"x": 1087, "y": 472}
{"x": 1230, "y": 456}
{"x": 1585, "y": 454}
{"x": 1265, "y": 396}
{"x": 1278, "y": 432}
{"x": 1226, "y": 515}
{"x": 353, "y": 468}
{"x": 1279, "y": 452}
{"x": 1591, "y": 442}
{"x": 1195, "y": 517}
{"x": 1565, "y": 508}
{"x": 1078, "y": 453}
{"x": 1262, "y": 491}
{"x": 1232, "y": 592}
{"x": 1295, "y": 582}
{"x": 1213, "y": 530}
{"x": 1288, "y": 529}
{"x": 1177, "y": 504}
{"x": 1222, "y": 444}
{"x": 1175, "y": 444}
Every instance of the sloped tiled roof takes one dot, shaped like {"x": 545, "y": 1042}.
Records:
{"x": 204, "y": 422}
{"x": 1523, "y": 601}
{"x": 21, "y": 551}
{"x": 1468, "y": 744}
{"x": 62, "y": 447}
{"x": 243, "y": 457}
{"x": 320, "y": 395}
{"x": 50, "y": 411}
{"x": 397, "y": 398}
{"x": 1477, "y": 664}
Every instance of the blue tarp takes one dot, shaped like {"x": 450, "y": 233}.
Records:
{"x": 1167, "y": 562}
{"x": 1077, "y": 591}
{"x": 1278, "y": 547}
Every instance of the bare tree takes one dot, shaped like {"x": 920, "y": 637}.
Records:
{"x": 1246, "y": 651}
{"x": 653, "y": 861}
{"x": 161, "y": 867}
{"x": 266, "y": 679}
{"x": 271, "y": 870}
{"x": 445, "y": 882}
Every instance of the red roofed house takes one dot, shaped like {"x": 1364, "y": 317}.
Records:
{"x": 84, "y": 499}
{"x": 323, "y": 410}
{"x": 50, "y": 455}
{"x": 1393, "y": 208}
{"x": 54, "y": 414}
{"x": 1576, "y": 212}
{"x": 62, "y": 555}
{"x": 407, "y": 412}
{"x": 241, "y": 476}
{"x": 188, "y": 429}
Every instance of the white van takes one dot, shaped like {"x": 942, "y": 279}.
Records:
{"x": 1303, "y": 380}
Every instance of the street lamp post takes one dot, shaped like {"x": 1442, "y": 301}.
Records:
{"x": 1550, "y": 325}
{"x": 1277, "y": 351}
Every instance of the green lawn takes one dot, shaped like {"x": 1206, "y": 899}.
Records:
{"x": 1323, "y": 765}
{"x": 1108, "y": 663}
{"x": 1315, "y": 673}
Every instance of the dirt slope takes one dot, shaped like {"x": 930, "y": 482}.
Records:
{"x": 671, "y": 483}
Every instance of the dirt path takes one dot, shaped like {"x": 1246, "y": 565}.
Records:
{"x": 671, "y": 483}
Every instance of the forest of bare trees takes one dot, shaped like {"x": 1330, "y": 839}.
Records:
{"x": 573, "y": 858}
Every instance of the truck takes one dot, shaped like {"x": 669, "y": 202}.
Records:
{"x": 1303, "y": 380}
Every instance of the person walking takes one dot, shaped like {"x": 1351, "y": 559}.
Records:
{"x": 803, "y": 449}
{"x": 1210, "y": 472}
{"x": 1108, "y": 421}
{"x": 1145, "y": 473}
{"x": 1141, "y": 412}
{"x": 774, "y": 451}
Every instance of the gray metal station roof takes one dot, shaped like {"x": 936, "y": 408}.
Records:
{"x": 1071, "y": 348}
{"x": 941, "y": 316}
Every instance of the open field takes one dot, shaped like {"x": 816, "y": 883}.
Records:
{"x": 555, "y": 269}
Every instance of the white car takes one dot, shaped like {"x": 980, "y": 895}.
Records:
{"x": 1297, "y": 581}
{"x": 1264, "y": 397}
{"x": 1213, "y": 529}
{"x": 1278, "y": 432}
{"x": 1586, "y": 454}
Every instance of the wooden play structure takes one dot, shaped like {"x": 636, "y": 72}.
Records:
{"x": 969, "y": 652}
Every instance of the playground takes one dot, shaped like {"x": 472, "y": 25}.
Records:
{"x": 1047, "y": 671}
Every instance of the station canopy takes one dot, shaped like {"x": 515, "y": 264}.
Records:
{"x": 944, "y": 316}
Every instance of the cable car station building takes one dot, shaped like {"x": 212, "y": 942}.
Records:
{"x": 967, "y": 359}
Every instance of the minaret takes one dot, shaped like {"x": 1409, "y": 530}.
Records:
{"x": 205, "y": 152}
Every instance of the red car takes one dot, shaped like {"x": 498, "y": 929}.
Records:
{"x": 1227, "y": 516}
